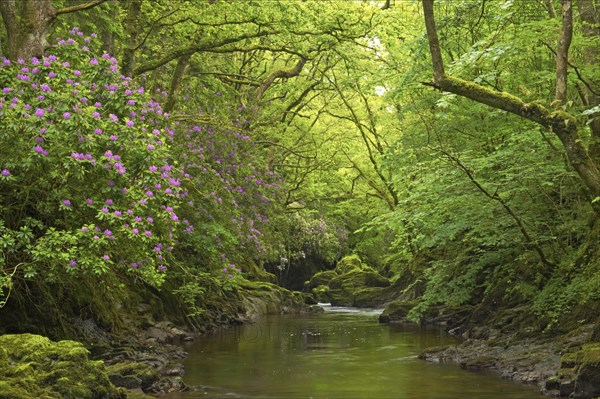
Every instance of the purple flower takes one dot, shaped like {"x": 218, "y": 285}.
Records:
{"x": 113, "y": 137}
{"x": 108, "y": 202}
{"x": 149, "y": 219}
{"x": 5, "y": 172}
{"x": 129, "y": 123}
{"x": 40, "y": 150}
{"x": 104, "y": 210}
{"x": 89, "y": 201}
{"x": 96, "y": 115}
{"x": 148, "y": 233}
{"x": 39, "y": 112}
{"x": 106, "y": 257}
{"x": 108, "y": 233}
{"x": 94, "y": 61}
{"x": 149, "y": 193}
{"x": 66, "y": 202}
{"x": 72, "y": 263}
{"x": 135, "y": 231}
{"x": 85, "y": 229}
{"x": 152, "y": 168}
{"x": 150, "y": 147}
{"x": 77, "y": 73}
{"x": 138, "y": 219}
{"x": 162, "y": 268}
{"x": 67, "y": 115}
{"x": 118, "y": 213}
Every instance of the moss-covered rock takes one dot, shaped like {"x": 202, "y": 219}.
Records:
{"x": 348, "y": 264}
{"x": 32, "y": 366}
{"x": 132, "y": 375}
{"x": 579, "y": 374}
{"x": 587, "y": 382}
{"x": 321, "y": 278}
{"x": 351, "y": 283}
{"x": 396, "y": 311}
{"x": 261, "y": 298}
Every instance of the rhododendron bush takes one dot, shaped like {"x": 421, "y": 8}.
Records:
{"x": 95, "y": 178}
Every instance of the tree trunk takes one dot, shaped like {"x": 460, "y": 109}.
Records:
{"x": 589, "y": 12}
{"x": 562, "y": 52}
{"x": 562, "y": 123}
{"x": 178, "y": 74}
{"x": 27, "y": 23}
{"x": 132, "y": 29}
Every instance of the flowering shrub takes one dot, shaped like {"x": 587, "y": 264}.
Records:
{"x": 95, "y": 178}
{"x": 84, "y": 168}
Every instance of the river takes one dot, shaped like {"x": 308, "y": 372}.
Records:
{"x": 340, "y": 354}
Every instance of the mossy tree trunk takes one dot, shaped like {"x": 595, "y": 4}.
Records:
{"x": 27, "y": 23}
{"x": 563, "y": 124}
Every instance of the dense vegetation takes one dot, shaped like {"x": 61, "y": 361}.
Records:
{"x": 184, "y": 147}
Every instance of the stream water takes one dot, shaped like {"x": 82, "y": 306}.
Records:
{"x": 340, "y": 354}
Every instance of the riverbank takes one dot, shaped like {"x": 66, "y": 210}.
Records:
{"x": 563, "y": 364}
{"x": 143, "y": 357}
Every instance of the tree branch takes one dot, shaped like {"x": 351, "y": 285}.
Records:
{"x": 504, "y": 204}
{"x": 79, "y": 7}
{"x": 189, "y": 50}
{"x": 280, "y": 73}
{"x": 563, "y": 124}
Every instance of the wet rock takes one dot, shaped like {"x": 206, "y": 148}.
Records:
{"x": 132, "y": 375}
{"x": 396, "y": 311}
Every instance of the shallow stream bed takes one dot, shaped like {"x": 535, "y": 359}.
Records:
{"x": 340, "y": 354}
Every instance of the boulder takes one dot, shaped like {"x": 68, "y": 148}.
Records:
{"x": 33, "y": 366}
{"x": 351, "y": 283}
{"x": 396, "y": 311}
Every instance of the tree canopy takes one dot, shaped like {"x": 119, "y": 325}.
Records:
{"x": 455, "y": 144}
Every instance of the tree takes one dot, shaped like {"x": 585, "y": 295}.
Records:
{"x": 562, "y": 123}
{"x": 27, "y": 24}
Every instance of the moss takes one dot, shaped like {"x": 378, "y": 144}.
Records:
{"x": 367, "y": 297}
{"x": 570, "y": 360}
{"x": 396, "y": 311}
{"x": 590, "y": 354}
{"x": 348, "y": 264}
{"x": 321, "y": 278}
{"x": 146, "y": 374}
{"x": 41, "y": 368}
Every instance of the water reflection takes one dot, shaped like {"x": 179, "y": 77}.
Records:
{"x": 342, "y": 353}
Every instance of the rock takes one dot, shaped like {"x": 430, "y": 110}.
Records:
{"x": 396, "y": 311}
{"x": 32, "y": 366}
{"x": 132, "y": 375}
{"x": 315, "y": 309}
{"x": 321, "y": 278}
{"x": 351, "y": 283}
{"x": 587, "y": 382}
